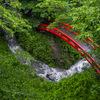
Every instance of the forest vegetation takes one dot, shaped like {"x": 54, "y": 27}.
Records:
{"x": 21, "y": 18}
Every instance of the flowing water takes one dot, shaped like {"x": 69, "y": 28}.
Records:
{"x": 42, "y": 69}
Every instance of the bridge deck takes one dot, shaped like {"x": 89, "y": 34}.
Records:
{"x": 72, "y": 35}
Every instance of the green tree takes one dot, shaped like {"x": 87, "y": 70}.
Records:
{"x": 10, "y": 18}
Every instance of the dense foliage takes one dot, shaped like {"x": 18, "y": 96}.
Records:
{"x": 10, "y": 18}
{"x": 82, "y": 15}
{"x": 17, "y": 81}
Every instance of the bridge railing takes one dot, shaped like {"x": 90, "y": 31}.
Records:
{"x": 91, "y": 61}
{"x": 70, "y": 28}
{"x": 72, "y": 43}
{"x": 62, "y": 35}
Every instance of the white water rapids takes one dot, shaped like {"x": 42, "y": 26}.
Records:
{"x": 43, "y": 70}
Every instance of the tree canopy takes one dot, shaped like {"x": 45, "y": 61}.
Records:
{"x": 10, "y": 17}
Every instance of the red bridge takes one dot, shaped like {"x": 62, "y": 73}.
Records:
{"x": 81, "y": 47}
